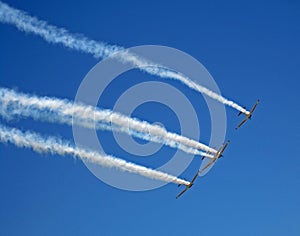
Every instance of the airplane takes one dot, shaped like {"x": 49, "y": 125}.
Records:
{"x": 188, "y": 186}
{"x": 248, "y": 116}
{"x": 218, "y": 155}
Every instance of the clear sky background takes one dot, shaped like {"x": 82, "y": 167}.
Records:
{"x": 252, "y": 51}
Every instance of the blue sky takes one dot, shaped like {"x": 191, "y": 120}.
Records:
{"x": 252, "y": 51}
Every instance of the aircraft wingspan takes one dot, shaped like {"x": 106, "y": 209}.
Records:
{"x": 188, "y": 186}
{"x": 249, "y": 115}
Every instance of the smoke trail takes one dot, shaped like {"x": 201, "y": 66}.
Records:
{"x": 54, "y": 145}
{"x": 63, "y": 111}
{"x": 52, "y": 34}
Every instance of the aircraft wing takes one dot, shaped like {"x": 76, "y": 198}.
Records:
{"x": 182, "y": 192}
{"x": 255, "y": 105}
{"x": 225, "y": 146}
{"x": 208, "y": 165}
{"x": 242, "y": 123}
{"x": 194, "y": 178}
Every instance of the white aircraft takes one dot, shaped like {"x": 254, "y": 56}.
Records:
{"x": 248, "y": 116}
{"x": 218, "y": 155}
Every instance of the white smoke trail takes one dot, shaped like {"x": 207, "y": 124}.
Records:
{"x": 66, "y": 112}
{"x": 52, "y": 34}
{"x": 54, "y": 145}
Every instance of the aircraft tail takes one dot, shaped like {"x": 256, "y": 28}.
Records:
{"x": 241, "y": 112}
